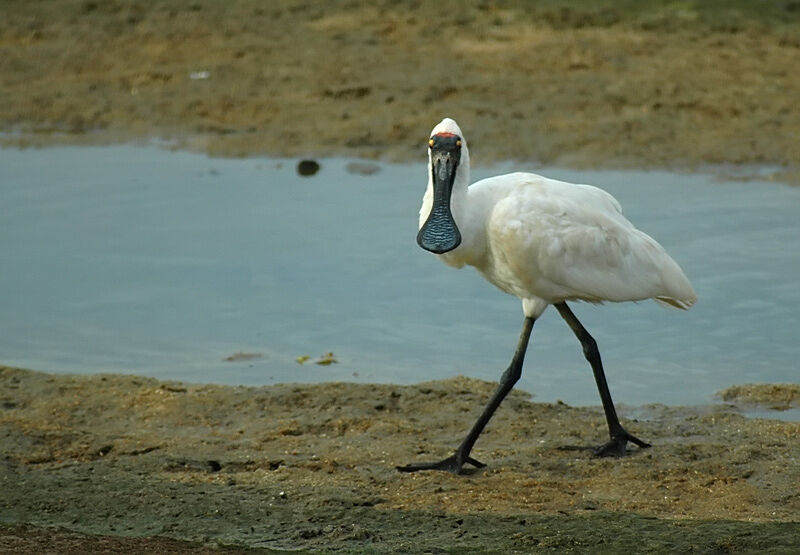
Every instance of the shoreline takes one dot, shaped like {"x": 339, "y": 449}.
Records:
{"x": 722, "y": 171}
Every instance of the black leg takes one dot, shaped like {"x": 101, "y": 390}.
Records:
{"x": 456, "y": 462}
{"x": 619, "y": 436}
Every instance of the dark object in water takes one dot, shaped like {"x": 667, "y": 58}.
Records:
{"x": 307, "y": 168}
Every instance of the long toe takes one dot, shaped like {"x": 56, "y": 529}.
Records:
{"x": 450, "y": 464}
{"x": 616, "y": 446}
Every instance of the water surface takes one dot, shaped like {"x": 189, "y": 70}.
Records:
{"x": 141, "y": 260}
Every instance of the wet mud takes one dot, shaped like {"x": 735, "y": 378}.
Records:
{"x": 312, "y": 468}
{"x": 600, "y": 84}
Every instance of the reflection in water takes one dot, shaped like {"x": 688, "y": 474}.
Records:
{"x": 132, "y": 259}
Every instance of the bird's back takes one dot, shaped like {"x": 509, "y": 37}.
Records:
{"x": 559, "y": 241}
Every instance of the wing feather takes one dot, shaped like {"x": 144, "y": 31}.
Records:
{"x": 561, "y": 241}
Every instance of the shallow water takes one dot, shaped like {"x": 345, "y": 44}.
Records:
{"x": 141, "y": 260}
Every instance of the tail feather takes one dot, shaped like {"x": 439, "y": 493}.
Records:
{"x": 677, "y": 290}
{"x": 683, "y": 304}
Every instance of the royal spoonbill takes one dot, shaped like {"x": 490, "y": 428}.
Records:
{"x": 547, "y": 242}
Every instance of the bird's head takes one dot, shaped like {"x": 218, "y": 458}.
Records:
{"x": 447, "y": 152}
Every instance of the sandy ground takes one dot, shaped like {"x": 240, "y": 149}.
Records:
{"x": 312, "y": 467}
{"x": 124, "y": 464}
{"x": 569, "y": 83}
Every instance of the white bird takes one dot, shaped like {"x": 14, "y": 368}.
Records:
{"x": 547, "y": 242}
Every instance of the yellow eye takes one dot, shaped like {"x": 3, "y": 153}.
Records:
{"x": 458, "y": 142}
{"x": 430, "y": 142}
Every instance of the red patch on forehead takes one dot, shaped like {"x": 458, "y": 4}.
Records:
{"x": 445, "y": 134}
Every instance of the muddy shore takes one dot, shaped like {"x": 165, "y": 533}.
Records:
{"x": 124, "y": 464}
{"x": 601, "y": 84}
{"x": 312, "y": 467}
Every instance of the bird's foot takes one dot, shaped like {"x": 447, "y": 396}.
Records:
{"x": 615, "y": 447}
{"x": 453, "y": 464}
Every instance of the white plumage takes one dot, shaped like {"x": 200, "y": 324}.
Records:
{"x": 547, "y": 242}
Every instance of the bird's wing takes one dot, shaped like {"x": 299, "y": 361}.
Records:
{"x": 561, "y": 241}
